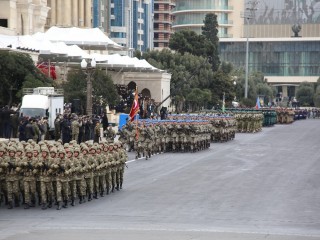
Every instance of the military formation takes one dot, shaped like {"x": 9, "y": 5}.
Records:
{"x": 54, "y": 174}
{"x": 179, "y": 133}
{"x": 285, "y": 115}
{"x": 249, "y": 122}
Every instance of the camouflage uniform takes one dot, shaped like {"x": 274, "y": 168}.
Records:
{"x": 45, "y": 177}
{"x": 107, "y": 160}
{"x": 62, "y": 168}
{"x": 3, "y": 192}
{"x": 75, "y": 126}
{"x": 123, "y": 158}
{"x": 29, "y": 179}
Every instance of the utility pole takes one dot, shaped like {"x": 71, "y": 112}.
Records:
{"x": 248, "y": 14}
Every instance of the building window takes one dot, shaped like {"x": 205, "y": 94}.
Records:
{"x": 3, "y": 22}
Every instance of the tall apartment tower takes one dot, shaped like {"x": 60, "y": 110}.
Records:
{"x": 189, "y": 14}
{"x": 100, "y": 14}
{"x": 163, "y": 20}
{"x": 131, "y": 23}
{"x": 70, "y": 13}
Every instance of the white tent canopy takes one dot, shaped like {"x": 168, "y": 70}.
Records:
{"x": 62, "y": 45}
{"x": 92, "y": 37}
{"x": 124, "y": 62}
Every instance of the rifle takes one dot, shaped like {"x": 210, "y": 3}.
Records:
{"x": 45, "y": 167}
{"x": 61, "y": 169}
{"x": 11, "y": 166}
{"x": 30, "y": 166}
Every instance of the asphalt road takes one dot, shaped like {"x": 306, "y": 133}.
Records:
{"x": 259, "y": 186}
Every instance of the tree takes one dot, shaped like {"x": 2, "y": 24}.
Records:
{"x": 198, "y": 98}
{"x": 210, "y": 31}
{"x": 104, "y": 91}
{"x": 257, "y": 86}
{"x": 316, "y": 97}
{"x": 17, "y": 71}
{"x": 305, "y": 94}
{"x": 186, "y": 41}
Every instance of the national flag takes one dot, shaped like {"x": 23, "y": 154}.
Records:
{"x": 135, "y": 106}
{"x": 258, "y": 106}
{"x": 48, "y": 69}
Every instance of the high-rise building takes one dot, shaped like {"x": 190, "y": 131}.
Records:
{"x": 131, "y": 23}
{"x": 274, "y": 18}
{"x": 100, "y": 16}
{"x": 283, "y": 42}
{"x": 190, "y": 14}
{"x": 23, "y": 16}
{"x": 70, "y": 13}
{"x": 163, "y": 19}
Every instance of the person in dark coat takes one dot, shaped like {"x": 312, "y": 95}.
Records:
{"x": 66, "y": 130}
{"x": 105, "y": 122}
{"x": 22, "y": 130}
{"x": 29, "y": 132}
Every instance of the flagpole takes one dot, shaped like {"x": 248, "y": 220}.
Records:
{"x": 136, "y": 117}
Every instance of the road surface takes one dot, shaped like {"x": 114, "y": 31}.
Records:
{"x": 259, "y": 186}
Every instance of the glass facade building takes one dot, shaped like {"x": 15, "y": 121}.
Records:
{"x": 284, "y": 62}
{"x": 190, "y": 14}
{"x": 131, "y": 23}
{"x": 276, "y": 57}
{"x": 274, "y": 18}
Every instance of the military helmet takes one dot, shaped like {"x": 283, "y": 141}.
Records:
{"x": 53, "y": 150}
{"x": 11, "y": 149}
{"x": 28, "y": 150}
{"x": 44, "y": 149}
{"x": 61, "y": 150}
{"x": 36, "y": 148}
{"x": 76, "y": 149}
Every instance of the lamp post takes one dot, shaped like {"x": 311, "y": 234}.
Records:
{"x": 249, "y": 14}
{"x": 89, "y": 70}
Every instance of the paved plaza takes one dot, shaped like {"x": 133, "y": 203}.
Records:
{"x": 259, "y": 186}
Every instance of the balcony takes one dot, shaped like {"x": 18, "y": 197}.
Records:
{"x": 216, "y": 9}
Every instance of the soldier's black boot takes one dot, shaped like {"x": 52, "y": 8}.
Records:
{"x": 108, "y": 190}
{"x": 118, "y": 187}
{"x": 10, "y": 205}
{"x": 33, "y": 203}
{"x": 95, "y": 195}
{"x": 90, "y": 197}
{"x": 83, "y": 199}
{"x": 17, "y": 202}
{"x": 27, "y": 206}
{"x": 65, "y": 205}
{"x": 112, "y": 189}
{"x": 44, "y": 206}
{"x": 72, "y": 202}
{"x": 50, "y": 204}
{"x": 102, "y": 194}
{"x": 80, "y": 200}
{"x": 59, "y": 205}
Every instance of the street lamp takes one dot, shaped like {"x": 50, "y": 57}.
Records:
{"x": 249, "y": 14}
{"x": 89, "y": 69}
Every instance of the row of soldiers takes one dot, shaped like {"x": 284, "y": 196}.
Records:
{"x": 285, "y": 115}
{"x": 150, "y": 137}
{"x": 54, "y": 173}
{"x": 249, "y": 122}
{"x": 180, "y": 133}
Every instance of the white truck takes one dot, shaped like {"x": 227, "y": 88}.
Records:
{"x": 42, "y": 102}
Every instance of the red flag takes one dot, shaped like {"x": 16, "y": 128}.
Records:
{"x": 135, "y": 106}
